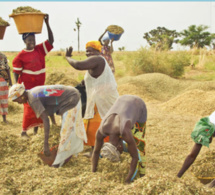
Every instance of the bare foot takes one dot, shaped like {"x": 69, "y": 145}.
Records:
{"x": 4, "y": 119}
{"x": 35, "y": 130}
{"x": 24, "y": 135}
{"x": 212, "y": 184}
{"x": 47, "y": 153}
{"x": 88, "y": 154}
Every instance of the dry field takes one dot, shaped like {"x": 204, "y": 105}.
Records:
{"x": 174, "y": 106}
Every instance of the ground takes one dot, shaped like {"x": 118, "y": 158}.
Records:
{"x": 174, "y": 106}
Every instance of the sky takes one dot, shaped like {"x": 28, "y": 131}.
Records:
{"x": 136, "y": 18}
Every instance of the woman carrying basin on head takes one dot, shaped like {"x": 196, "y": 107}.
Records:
{"x": 107, "y": 50}
{"x": 29, "y": 68}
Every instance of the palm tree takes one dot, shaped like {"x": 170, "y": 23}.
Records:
{"x": 78, "y": 24}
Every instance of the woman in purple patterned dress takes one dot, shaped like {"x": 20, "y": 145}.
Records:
{"x": 107, "y": 50}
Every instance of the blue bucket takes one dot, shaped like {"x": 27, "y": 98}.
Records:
{"x": 114, "y": 36}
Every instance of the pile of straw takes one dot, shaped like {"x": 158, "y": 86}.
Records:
{"x": 168, "y": 143}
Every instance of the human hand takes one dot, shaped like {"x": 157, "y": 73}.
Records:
{"x": 47, "y": 152}
{"x": 212, "y": 184}
{"x": 69, "y": 52}
{"x": 46, "y": 18}
{"x": 127, "y": 181}
{"x": 112, "y": 40}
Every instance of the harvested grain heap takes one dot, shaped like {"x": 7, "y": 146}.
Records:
{"x": 115, "y": 29}
{"x": 167, "y": 144}
{"x": 3, "y": 22}
{"x": 205, "y": 166}
{"x": 25, "y": 9}
{"x": 179, "y": 96}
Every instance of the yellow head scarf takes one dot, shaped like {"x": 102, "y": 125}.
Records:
{"x": 94, "y": 44}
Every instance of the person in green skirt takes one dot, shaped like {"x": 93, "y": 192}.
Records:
{"x": 202, "y": 135}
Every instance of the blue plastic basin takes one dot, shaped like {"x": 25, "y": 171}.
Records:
{"x": 114, "y": 36}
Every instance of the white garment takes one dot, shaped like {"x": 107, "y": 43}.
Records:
{"x": 212, "y": 118}
{"x": 72, "y": 135}
{"x": 101, "y": 91}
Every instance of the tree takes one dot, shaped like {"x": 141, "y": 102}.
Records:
{"x": 121, "y": 48}
{"x": 196, "y": 36}
{"x": 78, "y": 24}
{"x": 161, "y": 38}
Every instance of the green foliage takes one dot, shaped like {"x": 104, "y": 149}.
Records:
{"x": 170, "y": 63}
{"x": 196, "y": 36}
{"x": 121, "y": 48}
{"x": 161, "y": 38}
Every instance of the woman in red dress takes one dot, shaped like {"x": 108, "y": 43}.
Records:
{"x": 29, "y": 68}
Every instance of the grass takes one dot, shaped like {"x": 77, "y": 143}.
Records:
{"x": 194, "y": 64}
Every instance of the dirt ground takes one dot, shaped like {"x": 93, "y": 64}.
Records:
{"x": 174, "y": 106}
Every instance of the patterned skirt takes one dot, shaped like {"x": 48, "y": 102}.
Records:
{"x": 3, "y": 97}
{"x": 138, "y": 133}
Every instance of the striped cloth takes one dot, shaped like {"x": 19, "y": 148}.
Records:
{"x": 3, "y": 97}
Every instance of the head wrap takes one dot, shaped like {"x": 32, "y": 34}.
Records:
{"x": 16, "y": 91}
{"x": 105, "y": 38}
{"x": 110, "y": 152}
{"x": 94, "y": 44}
{"x": 203, "y": 131}
{"x": 25, "y": 35}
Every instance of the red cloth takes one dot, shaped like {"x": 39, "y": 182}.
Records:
{"x": 31, "y": 65}
{"x": 29, "y": 118}
{"x": 3, "y": 97}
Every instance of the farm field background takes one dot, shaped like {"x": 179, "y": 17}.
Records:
{"x": 174, "y": 105}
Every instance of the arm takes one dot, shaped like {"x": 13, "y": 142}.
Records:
{"x": 50, "y": 34}
{"x": 16, "y": 77}
{"x": 46, "y": 124}
{"x": 96, "y": 151}
{"x": 8, "y": 71}
{"x": 111, "y": 45}
{"x": 52, "y": 117}
{"x": 100, "y": 38}
{"x": 190, "y": 159}
{"x": 90, "y": 63}
{"x": 10, "y": 81}
{"x": 132, "y": 149}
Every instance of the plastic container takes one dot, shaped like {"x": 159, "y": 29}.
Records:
{"x": 2, "y": 31}
{"x": 28, "y": 22}
{"x": 114, "y": 36}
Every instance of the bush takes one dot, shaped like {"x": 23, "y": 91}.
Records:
{"x": 166, "y": 62}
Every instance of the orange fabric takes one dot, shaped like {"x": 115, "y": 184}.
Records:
{"x": 94, "y": 44}
{"x": 29, "y": 118}
{"x": 91, "y": 127}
